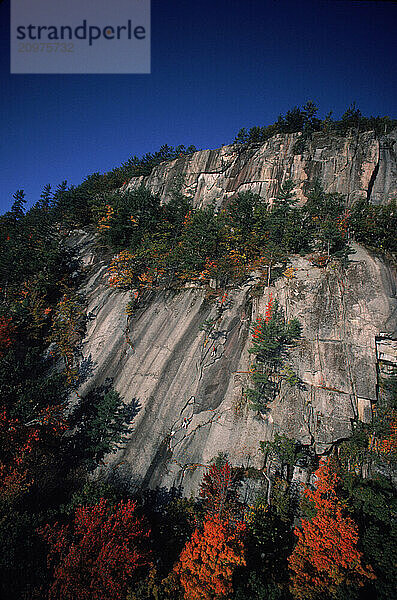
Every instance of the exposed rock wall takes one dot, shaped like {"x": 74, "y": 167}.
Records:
{"x": 357, "y": 166}
{"x": 189, "y": 383}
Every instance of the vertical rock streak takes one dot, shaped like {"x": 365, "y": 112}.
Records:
{"x": 189, "y": 387}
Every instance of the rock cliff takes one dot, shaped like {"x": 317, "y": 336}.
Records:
{"x": 357, "y": 166}
{"x": 189, "y": 379}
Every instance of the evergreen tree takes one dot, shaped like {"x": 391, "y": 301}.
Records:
{"x": 45, "y": 197}
{"x": 17, "y": 208}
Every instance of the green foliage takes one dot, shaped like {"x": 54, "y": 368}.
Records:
{"x": 286, "y": 449}
{"x": 373, "y": 505}
{"x": 97, "y": 183}
{"x": 242, "y": 216}
{"x": 173, "y": 243}
{"x": 375, "y": 226}
{"x": 101, "y": 421}
{"x": 201, "y": 238}
{"x": 174, "y": 527}
{"x": 305, "y": 120}
{"x": 28, "y": 383}
{"x": 325, "y": 215}
{"x": 275, "y": 336}
{"x": 17, "y": 208}
{"x": 380, "y": 548}
{"x": 281, "y": 500}
{"x": 354, "y": 452}
{"x": 269, "y": 542}
{"x": 31, "y": 247}
{"x": 22, "y": 560}
{"x": 272, "y": 336}
{"x": 91, "y": 493}
{"x": 125, "y": 232}
{"x": 256, "y": 588}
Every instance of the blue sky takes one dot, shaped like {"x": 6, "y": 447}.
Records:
{"x": 217, "y": 66}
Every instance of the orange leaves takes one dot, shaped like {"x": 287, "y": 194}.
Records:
{"x": 146, "y": 278}
{"x": 257, "y": 328}
{"x": 104, "y": 220}
{"x": 319, "y": 260}
{"x": 210, "y": 270}
{"x": 66, "y": 328}
{"x": 342, "y": 223}
{"x": 289, "y": 273}
{"x": 99, "y": 556}
{"x": 236, "y": 263}
{"x": 121, "y": 273}
{"x": 326, "y": 554}
{"x": 208, "y": 560}
{"x": 187, "y": 219}
{"x": 387, "y": 446}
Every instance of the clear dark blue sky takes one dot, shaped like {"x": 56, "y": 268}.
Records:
{"x": 217, "y": 65}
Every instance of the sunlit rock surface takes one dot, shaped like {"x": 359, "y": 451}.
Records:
{"x": 358, "y": 166}
{"x": 189, "y": 382}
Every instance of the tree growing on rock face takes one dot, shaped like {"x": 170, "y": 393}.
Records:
{"x": 326, "y": 555}
{"x": 100, "y": 555}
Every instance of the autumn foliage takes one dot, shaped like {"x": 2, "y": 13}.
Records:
{"x": 387, "y": 445}
{"x": 215, "y": 488}
{"x": 121, "y": 273}
{"x": 66, "y": 331}
{"x": 19, "y": 444}
{"x": 7, "y": 330}
{"x": 100, "y": 555}
{"x": 208, "y": 560}
{"x": 326, "y": 555}
{"x": 16, "y": 444}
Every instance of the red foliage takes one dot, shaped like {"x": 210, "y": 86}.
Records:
{"x": 326, "y": 554}
{"x": 343, "y": 223}
{"x": 7, "y": 330}
{"x": 387, "y": 446}
{"x": 219, "y": 497}
{"x": 207, "y": 562}
{"x": 18, "y": 444}
{"x": 257, "y": 330}
{"x": 269, "y": 308}
{"x": 187, "y": 219}
{"x": 99, "y": 556}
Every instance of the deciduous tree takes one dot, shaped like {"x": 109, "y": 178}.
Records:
{"x": 326, "y": 555}
{"x": 99, "y": 555}
{"x": 208, "y": 560}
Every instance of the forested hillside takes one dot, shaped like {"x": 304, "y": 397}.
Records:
{"x": 95, "y": 479}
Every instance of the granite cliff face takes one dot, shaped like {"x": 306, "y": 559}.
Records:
{"x": 357, "y": 166}
{"x": 189, "y": 381}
